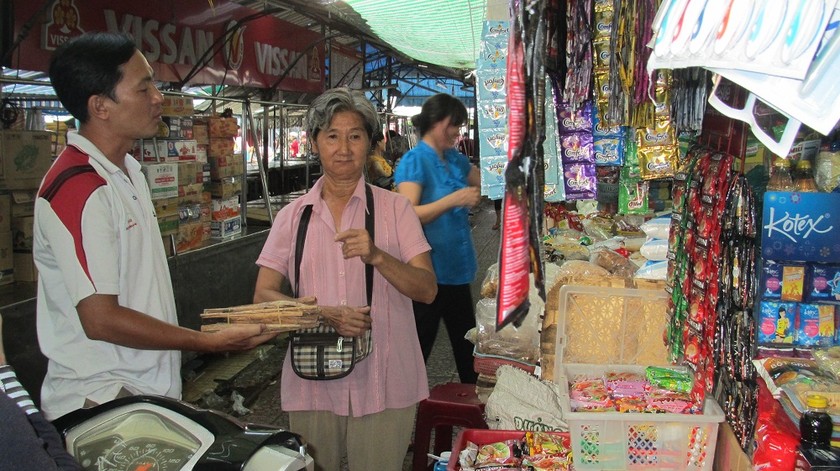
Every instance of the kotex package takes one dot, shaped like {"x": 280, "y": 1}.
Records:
{"x": 822, "y": 283}
{"x": 793, "y": 282}
{"x": 815, "y": 325}
{"x": 776, "y": 322}
{"x": 771, "y": 281}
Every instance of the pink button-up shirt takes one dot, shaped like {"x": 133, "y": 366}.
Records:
{"x": 394, "y": 374}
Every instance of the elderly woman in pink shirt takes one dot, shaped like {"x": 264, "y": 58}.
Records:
{"x": 368, "y": 414}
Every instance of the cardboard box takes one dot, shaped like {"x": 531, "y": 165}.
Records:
{"x": 25, "y": 269}
{"x": 190, "y": 173}
{"x": 220, "y": 147}
{"x": 25, "y": 157}
{"x": 200, "y": 133}
{"x": 201, "y": 153}
{"x": 5, "y": 213}
{"x": 168, "y": 225}
{"x": 188, "y": 194}
{"x": 159, "y": 150}
{"x": 23, "y": 203}
{"x": 166, "y": 207}
{"x": 729, "y": 454}
{"x": 22, "y": 232}
{"x": 190, "y": 236}
{"x": 225, "y": 188}
{"x": 205, "y": 210}
{"x": 228, "y": 166}
{"x": 162, "y": 179}
{"x": 185, "y": 149}
{"x": 226, "y": 228}
{"x": 176, "y": 127}
{"x": 7, "y": 260}
{"x": 153, "y": 150}
{"x": 225, "y": 208}
{"x": 222, "y": 127}
{"x": 178, "y": 106}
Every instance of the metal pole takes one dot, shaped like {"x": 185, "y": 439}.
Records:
{"x": 263, "y": 180}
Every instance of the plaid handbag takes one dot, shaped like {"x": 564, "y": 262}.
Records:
{"x": 321, "y": 353}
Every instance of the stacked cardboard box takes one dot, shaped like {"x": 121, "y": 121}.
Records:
{"x": 59, "y": 136}
{"x": 25, "y": 156}
{"x": 162, "y": 179}
{"x": 226, "y": 173}
{"x": 175, "y": 140}
{"x": 193, "y": 208}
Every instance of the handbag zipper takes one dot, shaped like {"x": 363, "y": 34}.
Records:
{"x": 319, "y": 339}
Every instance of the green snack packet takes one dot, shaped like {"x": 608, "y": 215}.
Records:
{"x": 632, "y": 192}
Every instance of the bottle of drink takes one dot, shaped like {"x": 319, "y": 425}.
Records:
{"x": 827, "y": 167}
{"x": 804, "y": 180}
{"x": 815, "y": 424}
{"x": 780, "y": 179}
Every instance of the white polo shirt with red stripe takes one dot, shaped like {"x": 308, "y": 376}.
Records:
{"x": 96, "y": 232}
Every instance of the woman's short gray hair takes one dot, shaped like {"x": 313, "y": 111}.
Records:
{"x": 335, "y": 100}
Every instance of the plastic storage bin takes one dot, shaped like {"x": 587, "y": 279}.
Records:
{"x": 617, "y": 440}
{"x": 625, "y": 335}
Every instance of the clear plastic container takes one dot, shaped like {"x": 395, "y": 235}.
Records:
{"x": 603, "y": 329}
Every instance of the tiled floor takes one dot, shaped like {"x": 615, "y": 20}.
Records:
{"x": 440, "y": 368}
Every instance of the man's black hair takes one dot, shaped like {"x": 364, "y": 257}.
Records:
{"x": 89, "y": 65}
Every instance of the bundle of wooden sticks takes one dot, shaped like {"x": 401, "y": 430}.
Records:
{"x": 278, "y": 316}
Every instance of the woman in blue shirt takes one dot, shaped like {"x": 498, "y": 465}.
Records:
{"x": 443, "y": 185}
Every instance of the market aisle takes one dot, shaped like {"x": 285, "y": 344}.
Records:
{"x": 441, "y": 367}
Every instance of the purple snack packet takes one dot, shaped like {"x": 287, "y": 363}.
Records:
{"x": 569, "y": 120}
{"x": 579, "y": 181}
{"x": 576, "y": 147}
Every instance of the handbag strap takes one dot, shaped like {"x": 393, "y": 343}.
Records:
{"x": 301, "y": 239}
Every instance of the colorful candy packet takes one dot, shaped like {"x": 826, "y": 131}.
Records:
{"x": 669, "y": 379}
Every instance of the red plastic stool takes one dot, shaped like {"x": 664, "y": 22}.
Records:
{"x": 448, "y": 404}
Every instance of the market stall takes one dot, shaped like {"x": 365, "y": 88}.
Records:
{"x": 661, "y": 252}
{"x": 667, "y": 286}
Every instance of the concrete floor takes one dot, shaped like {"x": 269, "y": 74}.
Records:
{"x": 260, "y": 384}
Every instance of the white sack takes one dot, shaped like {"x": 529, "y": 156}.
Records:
{"x": 520, "y": 401}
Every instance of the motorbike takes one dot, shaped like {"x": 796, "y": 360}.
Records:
{"x": 155, "y": 433}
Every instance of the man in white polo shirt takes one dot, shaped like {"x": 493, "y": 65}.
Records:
{"x": 106, "y": 311}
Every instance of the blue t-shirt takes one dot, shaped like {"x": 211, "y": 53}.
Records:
{"x": 453, "y": 253}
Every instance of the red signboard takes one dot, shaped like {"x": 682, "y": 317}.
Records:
{"x": 220, "y": 44}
